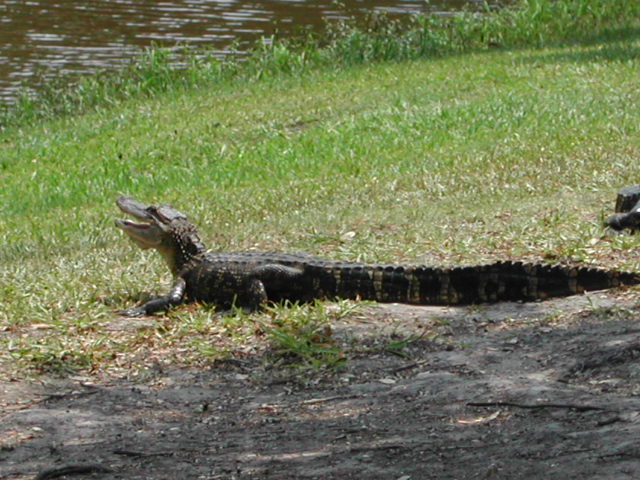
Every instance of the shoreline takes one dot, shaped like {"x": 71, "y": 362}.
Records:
{"x": 530, "y": 23}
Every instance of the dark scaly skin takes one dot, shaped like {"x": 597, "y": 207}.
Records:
{"x": 629, "y": 220}
{"x": 251, "y": 279}
{"x": 627, "y": 209}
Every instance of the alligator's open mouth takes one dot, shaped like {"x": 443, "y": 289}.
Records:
{"x": 145, "y": 232}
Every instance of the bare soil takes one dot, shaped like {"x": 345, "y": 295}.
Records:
{"x": 527, "y": 391}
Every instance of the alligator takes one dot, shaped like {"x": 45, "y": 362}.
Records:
{"x": 250, "y": 279}
{"x": 627, "y": 210}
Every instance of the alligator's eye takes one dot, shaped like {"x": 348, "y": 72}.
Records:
{"x": 166, "y": 214}
{"x": 157, "y": 213}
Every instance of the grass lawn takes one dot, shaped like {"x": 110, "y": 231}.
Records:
{"x": 510, "y": 153}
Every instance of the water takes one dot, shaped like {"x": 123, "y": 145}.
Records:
{"x": 41, "y": 39}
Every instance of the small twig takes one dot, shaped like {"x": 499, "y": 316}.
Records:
{"x": 409, "y": 366}
{"x": 314, "y": 401}
{"x": 72, "y": 469}
{"x": 580, "y": 408}
{"x": 628, "y": 453}
{"x": 135, "y": 453}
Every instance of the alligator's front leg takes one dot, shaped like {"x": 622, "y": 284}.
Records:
{"x": 174, "y": 297}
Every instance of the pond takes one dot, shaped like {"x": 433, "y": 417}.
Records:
{"x": 40, "y": 39}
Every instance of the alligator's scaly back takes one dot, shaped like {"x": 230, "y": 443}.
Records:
{"x": 250, "y": 279}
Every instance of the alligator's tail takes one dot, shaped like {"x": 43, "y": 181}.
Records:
{"x": 501, "y": 281}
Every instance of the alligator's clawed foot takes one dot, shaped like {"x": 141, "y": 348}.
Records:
{"x": 133, "y": 312}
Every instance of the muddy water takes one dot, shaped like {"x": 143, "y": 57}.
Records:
{"x": 45, "y": 38}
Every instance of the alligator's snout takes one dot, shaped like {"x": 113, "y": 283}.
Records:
{"x": 134, "y": 208}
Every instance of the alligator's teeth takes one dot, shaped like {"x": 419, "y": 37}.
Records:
{"x": 125, "y": 223}
{"x": 130, "y": 223}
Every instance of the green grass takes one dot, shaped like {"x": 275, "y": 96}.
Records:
{"x": 301, "y": 335}
{"x": 508, "y": 153}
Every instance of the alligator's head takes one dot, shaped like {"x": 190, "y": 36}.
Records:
{"x": 161, "y": 227}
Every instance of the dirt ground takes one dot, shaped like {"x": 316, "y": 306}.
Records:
{"x": 527, "y": 391}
